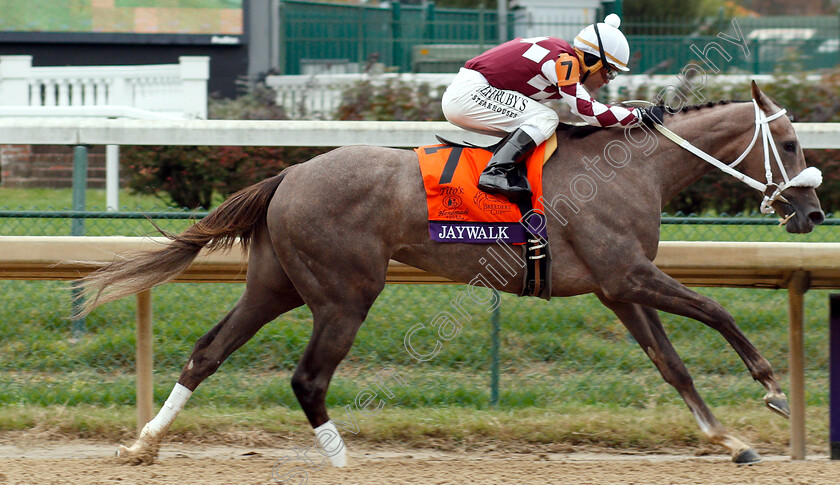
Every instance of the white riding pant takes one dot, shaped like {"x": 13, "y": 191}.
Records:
{"x": 471, "y": 103}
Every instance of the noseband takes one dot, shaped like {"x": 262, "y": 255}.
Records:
{"x": 772, "y": 191}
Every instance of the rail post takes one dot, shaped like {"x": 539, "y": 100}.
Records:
{"x": 80, "y": 168}
{"x": 429, "y": 19}
{"x": 397, "y": 36}
{"x": 494, "y": 351}
{"x": 834, "y": 376}
{"x": 797, "y": 286}
{"x": 77, "y": 225}
{"x": 145, "y": 361}
{"x": 112, "y": 177}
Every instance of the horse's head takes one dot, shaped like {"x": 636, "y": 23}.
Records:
{"x": 777, "y": 160}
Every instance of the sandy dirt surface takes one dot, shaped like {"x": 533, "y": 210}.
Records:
{"x": 77, "y": 462}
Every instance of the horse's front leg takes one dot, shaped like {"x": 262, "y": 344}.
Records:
{"x": 645, "y": 326}
{"x": 647, "y": 285}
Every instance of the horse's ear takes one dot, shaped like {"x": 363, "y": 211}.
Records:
{"x": 763, "y": 101}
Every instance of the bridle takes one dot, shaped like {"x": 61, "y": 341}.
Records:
{"x": 810, "y": 177}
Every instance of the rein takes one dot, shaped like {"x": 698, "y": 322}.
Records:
{"x": 809, "y": 177}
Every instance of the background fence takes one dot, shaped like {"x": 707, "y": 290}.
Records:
{"x": 328, "y": 38}
{"x": 319, "y": 37}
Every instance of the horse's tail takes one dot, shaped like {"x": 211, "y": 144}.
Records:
{"x": 236, "y": 218}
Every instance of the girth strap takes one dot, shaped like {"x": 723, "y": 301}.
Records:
{"x": 537, "y": 277}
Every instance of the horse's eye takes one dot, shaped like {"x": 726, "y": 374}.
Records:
{"x": 789, "y": 146}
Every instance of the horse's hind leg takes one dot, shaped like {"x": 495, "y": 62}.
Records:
{"x": 340, "y": 295}
{"x": 645, "y": 326}
{"x": 268, "y": 293}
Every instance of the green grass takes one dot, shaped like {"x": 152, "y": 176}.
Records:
{"x": 568, "y": 365}
{"x": 575, "y": 334}
{"x": 423, "y": 388}
{"x": 12, "y": 199}
{"x": 725, "y": 232}
{"x": 62, "y": 199}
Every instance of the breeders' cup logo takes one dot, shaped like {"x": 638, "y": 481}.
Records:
{"x": 492, "y": 204}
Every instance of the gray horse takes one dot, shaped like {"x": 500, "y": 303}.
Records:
{"x": 322, "y": 233}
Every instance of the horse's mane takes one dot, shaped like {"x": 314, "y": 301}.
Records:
{"x": 710, "y": 104}
{"x": 582, "y": 131}
{"x": 577, "y": 131}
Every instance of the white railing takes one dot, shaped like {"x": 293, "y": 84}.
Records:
{"x": 151, "y": 92}
{"x": 313, "y": 133}
{"x": 647, "y": 86}
{"x": 164, "y": 90}
{"x": 319, "y": 96}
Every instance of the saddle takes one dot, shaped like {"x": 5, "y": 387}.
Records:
{"x": 459, "y": 212}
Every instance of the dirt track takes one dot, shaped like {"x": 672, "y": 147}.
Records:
{"x": 88, "y": 463}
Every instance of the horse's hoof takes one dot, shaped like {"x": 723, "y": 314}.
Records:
{"x": 127, "y": 456}
{"x": 124, "y": 455}
{"x": 778, "y": 404}
{"x": 746, "y": 457}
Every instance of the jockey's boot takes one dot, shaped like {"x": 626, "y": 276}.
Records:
{"x": 501, "y": 176}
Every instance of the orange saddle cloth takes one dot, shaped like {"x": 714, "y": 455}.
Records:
{"x": 460, "y": 212}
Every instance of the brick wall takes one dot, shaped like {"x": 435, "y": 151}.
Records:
{"x": 48, "y": 166}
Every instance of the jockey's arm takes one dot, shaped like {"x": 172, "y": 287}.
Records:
{"x": 566, "y": 76}
{"x": 595, "y": 113}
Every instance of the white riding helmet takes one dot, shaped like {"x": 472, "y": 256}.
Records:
{"x": 606, "y": 42}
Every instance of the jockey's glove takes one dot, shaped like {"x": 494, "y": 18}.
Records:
{"x": 651, "y": 115}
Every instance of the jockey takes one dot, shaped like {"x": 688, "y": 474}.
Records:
{"x": 501, "y": 92}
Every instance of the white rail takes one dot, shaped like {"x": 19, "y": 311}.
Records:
{"x": 55, "y": 131}
{"x": 408, "y": 134}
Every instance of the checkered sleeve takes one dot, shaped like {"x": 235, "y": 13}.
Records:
{"x": 596, "y": 113}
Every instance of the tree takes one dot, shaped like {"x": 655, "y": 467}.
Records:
{"x": 190, "y": 176}
{"x": 786, "y": 7}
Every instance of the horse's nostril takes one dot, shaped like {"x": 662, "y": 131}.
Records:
{"x": 817, "y": 217}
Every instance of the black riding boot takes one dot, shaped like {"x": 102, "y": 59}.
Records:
{"x": 502, "y": 176}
